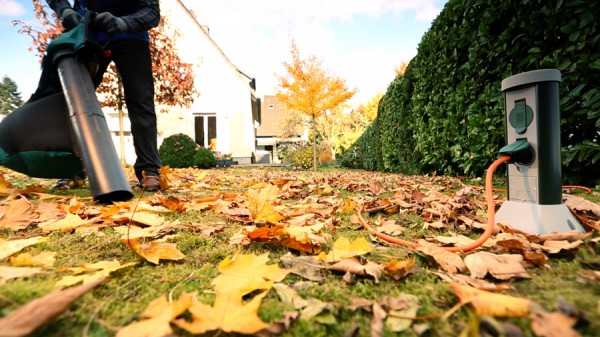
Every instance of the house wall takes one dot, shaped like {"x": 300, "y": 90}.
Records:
{"x": 223, "y": 92}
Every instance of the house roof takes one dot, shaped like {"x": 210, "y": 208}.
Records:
{"x": 273, "y": 115}
{"x": 205, "y": 33}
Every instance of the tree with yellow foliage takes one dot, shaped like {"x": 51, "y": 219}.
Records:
{"x": 310, "y": 90}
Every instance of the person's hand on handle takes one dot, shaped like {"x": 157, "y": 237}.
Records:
{"x": 70, "y": 18}
{"x": 110, "y": 24}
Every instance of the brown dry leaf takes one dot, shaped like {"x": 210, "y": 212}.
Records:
{"x": 48, "y": 212}
{"x": 154, "y": 251}
{"x": 502, "y": 267}
{"x": 44, "y": 259}
{"x": 342, "y": 249}
{"x": 473, "y": 282}
{"x": 552, "y": 324}
{"x": 69, "y": 222}
{"x": 450, "y": 262}
{"x": 148, "y": 219}
{"x": 289, "y": 296}
{"x": 376, "y": 326}
{"x": 353, "y": 266}
{"x": 555, "y": 247}
{"x": 304, "y": 266}
{"x": 27, "y": 318}
{"x": 7, "y": 273}
{"x": 160, "y": 313}
{"x": 9, "y": 247}
{"x": 260, "y": 204}
{"x": 570, "y": 236}
{"x": 17, "y": 215}
{"x": 578, "y": 203}
{"x": 491, "y": 304}
{"x": 399, "y": 308}
{"x": 6, "y": 188}
{"x": 228, "y": 313}
{"x": 98, "y": 271}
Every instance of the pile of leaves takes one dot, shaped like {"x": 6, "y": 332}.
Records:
{"x": 277, "y": 252}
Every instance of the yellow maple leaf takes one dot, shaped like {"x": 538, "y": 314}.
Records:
{"x": 342, "y": 249}
{"x": 44, "y": 259}
{"x": 98, "y": 270}
{"x": 18, "y": 215}
{"x": 69, "y": 222}
{"x": 247, "y": 272}
{"x": 228, "y": 314}
{"x": 155, "y": 251}
{"x": 6, "y": 188}
{"x": 492, "y": 304}
{"x": 159, "y": 312}
{"x": 260, "y": 204}
{"x": 9, "y": 247}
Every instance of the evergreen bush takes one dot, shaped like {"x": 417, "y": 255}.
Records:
{"x": 178, "y": 151}
{"x": 204, "y": 158}
{"x": 446, "y": 113}
{"x": 303, "y": 157}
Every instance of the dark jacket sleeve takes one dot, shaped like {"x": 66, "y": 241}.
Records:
{"x": 58, "y": 6}
{"x": 144, "y": 19}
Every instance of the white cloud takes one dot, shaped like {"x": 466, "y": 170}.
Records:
{"x": 255, "y": 35}
{"x": 11, "y": 8}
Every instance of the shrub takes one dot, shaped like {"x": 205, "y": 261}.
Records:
{"x": 303, "y": 157}
{"x": 204, "y": 158}
{"x": 178, "y": 151}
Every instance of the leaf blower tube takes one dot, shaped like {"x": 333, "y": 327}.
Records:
{"x": 106, "y": 177}
{"x": 489, "y": 230}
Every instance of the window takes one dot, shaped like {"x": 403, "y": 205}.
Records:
{"x": 205, "y": 129}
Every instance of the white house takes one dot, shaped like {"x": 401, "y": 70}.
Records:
{"x": 226, "y": 109}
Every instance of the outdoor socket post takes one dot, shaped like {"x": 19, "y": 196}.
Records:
{"x": 532, "y": 110}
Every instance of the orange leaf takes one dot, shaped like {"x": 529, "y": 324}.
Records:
{"x": 18, "y": 215}
{"x": 155, "y": 251}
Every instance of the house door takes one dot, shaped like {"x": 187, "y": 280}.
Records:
{"x": 205, "y": 129}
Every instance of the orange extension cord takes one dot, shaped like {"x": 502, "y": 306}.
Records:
{"x": 489, "y": 230}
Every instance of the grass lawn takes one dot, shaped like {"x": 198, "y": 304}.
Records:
{"x": 210, "y": 216}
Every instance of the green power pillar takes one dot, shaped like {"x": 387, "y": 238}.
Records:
{"x": 533, "y": 141}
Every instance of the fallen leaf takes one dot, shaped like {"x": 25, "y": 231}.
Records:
{"x": 44, "y": 259}
{"x": 289, "y": 296}
{"x": 474, "y": 282}
{"x": 552, "y": 324}
{"x": 27, "y": 318}
{"x": 7, "y": 273}
{"x": 578, "y": 203}
{"x": 17, "y": 215}
{"x": 155, "y": 251}
{"x": 99, "y": 270}
{"x": 397, "y": 320}
{"x": 247, "y": 272}
{"x": 260, "y": 204}
{"x": 376, "y": 326}
{"x": 9, "y": 247}
{"x": 228, "y": 313}
{"x": 450, "y": 262}
{"x": 342, "y": 249}
{"x": 502, "y": 267}
{"x": 160, "y": 313}
{"x": 398, "y": 270}
{"x": 353, "y": 266}
{"x": 555, "y": 247}
{"x": 492, "y": 304}
{"x": 69, "y": 222}
{"x": 304, "y": 266}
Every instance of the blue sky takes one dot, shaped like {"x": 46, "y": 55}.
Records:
{"x": 360, "y": 41}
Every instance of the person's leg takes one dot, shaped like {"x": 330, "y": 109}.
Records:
{"x": 132, "y": 58}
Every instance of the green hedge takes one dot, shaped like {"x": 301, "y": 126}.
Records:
{"x": 446, "y": 113}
